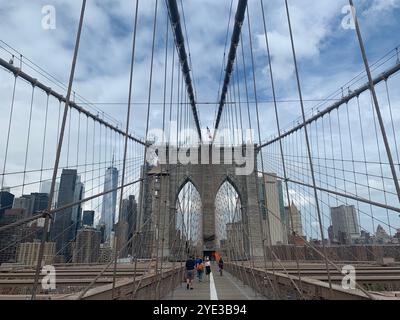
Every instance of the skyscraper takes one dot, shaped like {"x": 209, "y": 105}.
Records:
{"x": 345, "y": 224}
{"x": 77, "y": 210}
{"x": 28, "y": 252}
{"x": 10, "y": 238}
{"x": 32, "y": 203}
{"x": 6, "y": 201}
{"x": 109, "y": 202}
{"x": 381, "y": 235}
{"x": 64, "y": 229}
{"x": 88, "y": 218}
{"x": 296, "y": 217}
{"x": 39, "y": 201}
{"x": 24, "y": 202}
{"x": 87, "y": 246}
{"x": 274, "y": 211}
{"x": 45, "y": 188}
{"x": 127, "y": 225}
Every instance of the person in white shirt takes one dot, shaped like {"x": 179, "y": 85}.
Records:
{"x": 208, "y": 267}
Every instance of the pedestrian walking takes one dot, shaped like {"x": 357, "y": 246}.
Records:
{"x": 190, "y": 267}
{"x": 220, "y": 266}
{"x": 199, "y": 268}
{"x": 200, "y": 271}
{"x": 208, "y": 267}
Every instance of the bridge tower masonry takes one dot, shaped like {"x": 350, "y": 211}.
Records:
{"x": 200, "y": 166}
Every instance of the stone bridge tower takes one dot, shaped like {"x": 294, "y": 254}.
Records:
{"x": 200, "y": 165}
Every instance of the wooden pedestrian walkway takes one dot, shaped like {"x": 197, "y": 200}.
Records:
{"x": 225, "y": 287}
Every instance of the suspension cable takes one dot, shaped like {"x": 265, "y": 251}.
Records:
{"x": 59, "y": 146}
{"x": 128, "y": 112}
{"x": 308, "y": 144}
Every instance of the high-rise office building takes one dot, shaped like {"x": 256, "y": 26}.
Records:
{"x": 40, "y": 201}
{"x": 87, "y": 246}
{"x": 10, "y": 238}
{"x": 32, "y": 203}
{"x": 331, "y": 236}
{"x": 345, "y": 224}
{"x": 24, "y": 202}
{"x": 282, "y": 210}
{"x": 126, "y": 226}
{"x": 28, "y": 253}
{"x": 77, "y": 210}
{"x": 64, "y": 226}
{"x": 381, "y": 236}
{"x": 88, "y": 218}
{"x": 129, "y": 212}
{"x": 45, "y": 188}
{"x": 296, "y": 217}
{"x": 6, "y": 201}
{"x": 102, "y": 228}
{"x": 274, "y": 210}
{"x": 109, "y": 201}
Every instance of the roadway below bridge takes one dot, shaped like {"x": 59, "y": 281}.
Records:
{"x": 71, "y": 281}
{"x": 242, "y": 280}
{"x": 311, "y": 279}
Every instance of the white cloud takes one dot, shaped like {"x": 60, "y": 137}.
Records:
{"x": 382, "y": 5}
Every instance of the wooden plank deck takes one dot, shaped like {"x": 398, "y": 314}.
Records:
{"x": 226, "y": 287}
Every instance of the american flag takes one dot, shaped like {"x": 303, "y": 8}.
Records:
{"x": 209, "y": 133}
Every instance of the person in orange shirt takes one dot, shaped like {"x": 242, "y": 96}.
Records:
{"x": 217, "y": 256}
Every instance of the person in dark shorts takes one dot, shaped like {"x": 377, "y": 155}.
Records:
{"x": 190, "y": 269}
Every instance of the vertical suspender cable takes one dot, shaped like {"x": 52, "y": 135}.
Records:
{"x": 128, "y": 113}
{"x": 245, "y": 82}
{"x": 262, "y": 169}
{"x": 239, "y": 101}
{"x": 308, "y": 145}
{"x": 8, "y": 132}
{"x": 392, "y": 122}
{"x": 28, "y": 138}
{"x": 144, "y": 175}
{"x": 158, "y": 224}
{"x": 164, "y": 143}
{"x": 44, "y": 140}
{"x": 280, "y": 140}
